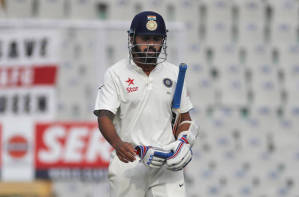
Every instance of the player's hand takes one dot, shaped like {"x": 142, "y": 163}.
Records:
{"x": 182, "y": 154}
{"x": 125, "y": 151}
{"x": 147, "y": 156}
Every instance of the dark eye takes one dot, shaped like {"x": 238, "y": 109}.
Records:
{"x": 158, "y": 38}
{"x": 145, "y": 38}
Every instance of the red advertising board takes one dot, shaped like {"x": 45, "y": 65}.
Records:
{"x": 69, "y": 148}
{"x": 27, "y": 76}
{"x": 70, "y": 145}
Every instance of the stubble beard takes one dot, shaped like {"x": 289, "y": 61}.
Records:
{"x": 145, "y": 57}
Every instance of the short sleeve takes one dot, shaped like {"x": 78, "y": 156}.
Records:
{"x": 107, "y": 96}
{"x": 186, "y": 104}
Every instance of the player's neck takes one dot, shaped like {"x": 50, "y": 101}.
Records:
{"x": 147, "y": 68}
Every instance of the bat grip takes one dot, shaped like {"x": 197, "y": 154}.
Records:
{"x": 163, "y": 155}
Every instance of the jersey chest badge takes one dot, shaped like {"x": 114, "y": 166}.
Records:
{"x": 167, "y": 82}
{"x": 131, "y": 86}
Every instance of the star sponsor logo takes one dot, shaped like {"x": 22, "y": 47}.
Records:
{"x": 130, "y": 81}
{"x": 131, "y": 89}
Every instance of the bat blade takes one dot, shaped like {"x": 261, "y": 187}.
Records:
{"x": 176, "y": 102}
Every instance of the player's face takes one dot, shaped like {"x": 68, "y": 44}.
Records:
{"x": 148, "y": 48}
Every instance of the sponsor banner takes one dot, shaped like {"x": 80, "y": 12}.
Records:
{"x": 22, "y": 76}
{"x": 36, "y": 103}
{"x": 28, "y": 46}
{"x": 29, "y": 60}
{"x": 17, "y": 150}
{"x": 70, "y": 150}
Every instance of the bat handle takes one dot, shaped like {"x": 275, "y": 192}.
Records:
{"x": 163, "y": 155}
{"x": 183, "y": 67}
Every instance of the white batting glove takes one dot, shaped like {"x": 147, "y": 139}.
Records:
{"x": 182, "y": 154}
{"x": 147, "y": 156}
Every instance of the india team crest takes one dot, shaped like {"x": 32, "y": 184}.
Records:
{"x": 167, "y": 82}
{"x": 151, "y": 23}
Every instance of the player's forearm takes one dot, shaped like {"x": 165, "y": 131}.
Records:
{"x": 124, "y": 150}
{"x": 108, "y": 130}
{"x": 183, "y": 127}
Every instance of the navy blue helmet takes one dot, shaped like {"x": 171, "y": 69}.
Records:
{"x": 148, "y": 23}
{"x": 152, "y": 24}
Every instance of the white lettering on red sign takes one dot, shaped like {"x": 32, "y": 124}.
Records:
{"x": 74, "y": 145}
{"x": 66, "y": 145}
{"x": 28, "y": 76}
{"x": 94, "y": 148}
{"x": 50, "y": 139}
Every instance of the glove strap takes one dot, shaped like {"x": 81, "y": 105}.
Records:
{"x": 141, "y": 150}
{"x": 183, "y": 140}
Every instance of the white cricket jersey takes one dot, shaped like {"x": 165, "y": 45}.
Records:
{"x": 141, "y": 103}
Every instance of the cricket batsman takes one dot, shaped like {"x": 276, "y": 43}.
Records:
{"x": 135, "y": 115}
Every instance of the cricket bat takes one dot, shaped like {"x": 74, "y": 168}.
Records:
{"x": 176, "y": 101}
{"x": 176, "y": 104}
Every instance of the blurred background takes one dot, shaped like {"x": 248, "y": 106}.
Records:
{"x": 243, "y": 79}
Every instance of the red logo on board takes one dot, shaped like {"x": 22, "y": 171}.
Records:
{"x": 17, "y": 146}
